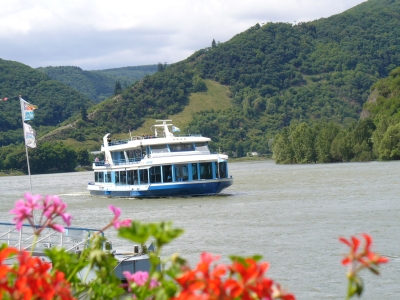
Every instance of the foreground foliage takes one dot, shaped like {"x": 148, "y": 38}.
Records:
{"x": 172, "y": 278}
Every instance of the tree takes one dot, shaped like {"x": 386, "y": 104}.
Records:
{"x": 84, "y": 113}
{"x": 303, "y": 143}
{"x": 326, "y": 133}
{"x": 282, "y": 147}
{"x": 213, "y": 44}
{"x": 160, "y": 67}
{"x": 389, "y": 148}
{"x": 239, "y": 149}
{"x": 342, "y": 146}
{"x": 117, "y": 88}
{"x": 82, "y": 157}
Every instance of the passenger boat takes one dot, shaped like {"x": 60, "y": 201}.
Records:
{"x": 161, "y": 165}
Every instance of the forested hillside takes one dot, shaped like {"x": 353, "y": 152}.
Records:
{"x": 317, "y": 71}
{"x": 56, "y": 101}
{"x": 314, "y": 72}
{"x": 128, "y": 75}
{"x": 375, "y": 136}
{"x": 98, "y": 85}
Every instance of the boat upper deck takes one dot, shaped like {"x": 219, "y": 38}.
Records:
{"x": 146, "y": 138}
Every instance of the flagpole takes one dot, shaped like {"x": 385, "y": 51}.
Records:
{"x": 29, "y": 169}
{"x": 26, "y": 147}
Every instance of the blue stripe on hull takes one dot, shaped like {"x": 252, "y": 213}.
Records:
{"x": 171, "y": 190}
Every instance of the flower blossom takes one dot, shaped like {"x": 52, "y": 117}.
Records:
{"x": 117, "y": 223}
{"x": 243, "y": 279}
{"x": 30, "y": 278}
{"x": 24, "y": 208}
{"x": 139, "y": 278}
{"x": 359, "y": 259}
{"x": 51, "y": 207}
{"x": 365, "y": 257}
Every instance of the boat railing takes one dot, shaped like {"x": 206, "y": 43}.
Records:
{"x": 188, "y": 135}
{"x": 72, "y": 239}
{"x": 146, "y": 137}
{"x": 117, "y": 162}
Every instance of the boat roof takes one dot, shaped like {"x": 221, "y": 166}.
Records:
{"x": 165, "y": 136}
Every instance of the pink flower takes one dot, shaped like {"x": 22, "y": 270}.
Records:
{"x": 115, "y": 210}
{"x": 116, "y": 222}
{"x": 52, "y": 207}
{"x": 140, "y": 278}
{"x": 23, "y": 209}
{"x": 124, "y": 223}
{"x": 67, "y": 218}
{"x": 57, "y": 227}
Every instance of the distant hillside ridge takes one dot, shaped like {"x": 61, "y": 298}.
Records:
{"x": 128, "y": 75}
{"x": 98, "y": 85}
{"x": 56, "y": 101}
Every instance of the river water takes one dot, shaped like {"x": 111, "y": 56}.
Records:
{"x": 292, "y": 215}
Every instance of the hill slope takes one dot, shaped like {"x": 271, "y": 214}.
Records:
{"x": 97, "y": 85}
{"x": 56, "y": 102}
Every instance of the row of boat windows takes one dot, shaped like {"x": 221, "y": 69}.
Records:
{"x": 136, "y": 155}
{"x": 178, "y": 147}
{"x": 165, "y": 173}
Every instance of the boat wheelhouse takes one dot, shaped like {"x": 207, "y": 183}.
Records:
{"x": 161, "y": 165}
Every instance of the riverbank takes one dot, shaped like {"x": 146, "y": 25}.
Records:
{"x": 249, "y": 158}
{"x": 11, "y": 173}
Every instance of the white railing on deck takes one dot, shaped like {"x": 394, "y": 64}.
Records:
{"x": 73, "y": 239}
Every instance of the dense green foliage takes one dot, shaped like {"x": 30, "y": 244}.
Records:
{"x": 56, "y": 101}
{"x": 47, "y": 157}
{"x": 323, "y": 143}
{"x": 97, "y": 85}
{"x": 128, "y": 75}
{"x": 318, "y": 71}
{"x": 384, "y": 108}
{"x": 155, "y": 96}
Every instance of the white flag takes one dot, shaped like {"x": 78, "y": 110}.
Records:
{"x": 30, "y": 136}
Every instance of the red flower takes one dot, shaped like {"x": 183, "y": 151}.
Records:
{"x": 245, "y": 280}
{"x": 365, "y": 257}
{"x": 30, "y": 278}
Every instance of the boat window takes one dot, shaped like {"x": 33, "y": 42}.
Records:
{"x": 155, "y": 174}
{"x": 132, "y": 177}
{"x": 159, "y": 149}
{"x": 201, "y": 147}
{"x": 144, "y": 176}
{"x": 116, "y": 177}
{"x": 181, "y": 172}
{"x": 195, "y": 172}
{"x": 118, "y": 157}
{"x": 98, "y": 176}
{"x": 206, "y": 170}
{"x": 107, "y": 177}
{"x": 222, "y": 169}
{"x": 122, "y": 177}
{"x": 134, "y": 155}
{"x": 167, "y": 173}
{"x": 181, "y": 147}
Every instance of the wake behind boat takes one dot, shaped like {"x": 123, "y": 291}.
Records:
{"x": 162, "y": 165}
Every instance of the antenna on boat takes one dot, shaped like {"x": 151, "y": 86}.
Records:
{"x": 164, "y": 124}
